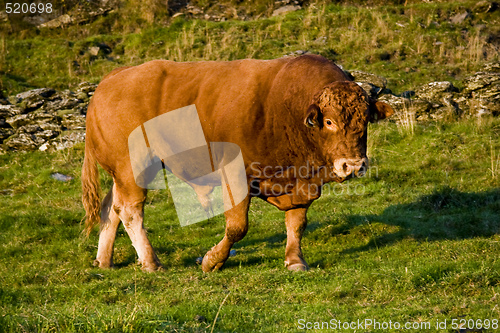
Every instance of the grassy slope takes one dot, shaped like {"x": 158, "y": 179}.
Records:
{"x": 420, "y": 243}
{"x": 410, "y": 45}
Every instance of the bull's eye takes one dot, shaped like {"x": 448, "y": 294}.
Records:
{"x": 329, "y": 124}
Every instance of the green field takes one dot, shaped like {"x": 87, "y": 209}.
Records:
{"x": 409, "y": 45}
{"x": 417, "y": 240}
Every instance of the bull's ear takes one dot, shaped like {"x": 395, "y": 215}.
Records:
{"x": 314, "y": 116}
{"x": 379, "y": 111}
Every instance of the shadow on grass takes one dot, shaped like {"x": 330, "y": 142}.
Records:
{"x": 445, "y": 214}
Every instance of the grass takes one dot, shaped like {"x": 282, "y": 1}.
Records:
{"x": 410, "y": 45}
{"x": 417, "y": 240}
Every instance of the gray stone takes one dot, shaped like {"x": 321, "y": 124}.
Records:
{"x": 485, "y": 6}
{"x": 21, "y": 141}
{"x": 19, "y": 120}
{"x": 38, "y": 117}
{"x": 481, "y": 80}
{"x": 399, "y": 104}
{"x": 460, "y": 18}
{"x": 30, "y": 128}
{"x": 7, "y": 111}
{"x": 493, "y": 67}
{"x": 285, "y": 10}
{"x": 57, "y": 22}
{"x": 5, "y": 133}
{"x": 435, "y": 92}
{"x": 73, "y": 121}
{"x": 65, "y": 103}
{"x": 61, "y": 177}
{"x": 87, "y": 88}
{"x": 67, "y": 139}
{"x": 41, "y": 92}
{"x": 373, "y": 79}
{"x": 370, "y": 89}
{"x": 480, "y": 106}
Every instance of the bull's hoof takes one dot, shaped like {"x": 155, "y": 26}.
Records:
{"x": 212, "y": 262}
{"x": 150, "y": 266}
{"x": 102, "y": 264}
{"x": 297, "y": 267}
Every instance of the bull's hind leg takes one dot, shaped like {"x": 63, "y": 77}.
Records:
{"x": 109, "y": 225}
{"x": 128, "y": 204}
{"x": 236, "y": 229}
{"x": 296, "y": 222}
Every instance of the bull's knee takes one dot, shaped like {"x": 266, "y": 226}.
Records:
{"x": 235, "y": 234}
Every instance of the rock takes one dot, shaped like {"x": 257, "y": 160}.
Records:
{"x": 41, "y": 92}
{"x": 485, "y": 7}
{"x": 481, "y": 80}
{"x": 285, "y": 10}
{"x": 460, "y": 18}
{"x": 493, "y": 67}
{"x": 370, "y": 89}
{"x": 60, "y": 177}
{"x": 296, "y": 53}
{"x": 94, "y": 50}
{"x": 483, "y": 92}
{"x": 31, "y": 128}
{"x": 482, "y": 107}
{"x": 399, "y": 104}
{"x": 420, "y": 108}
{"x": 4, "y": 124}
{"x": 5, "y": 133}
{"x": 31, "y": 104}
{"x": 73, "y": 121}
{"x": 7, "y": 111}
{"x": 38, "y": 118}
{"x": 19, "y": 120}
{"x": 377, "y": 81}
{"x": 63, "y": 103}
{"x": 31, "y": 100}
{"x": 408, "y": 94}
{"x": 21, "y": 141}
{"x": 57, "y": 22}
{"x": 438, "y": 93}
{"x": 66, "y": 140}
{"x": 87, "y": 87}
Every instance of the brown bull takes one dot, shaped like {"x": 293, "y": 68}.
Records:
{"x": 287, "y": 115}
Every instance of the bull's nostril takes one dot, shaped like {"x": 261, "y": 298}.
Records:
{"x": 345, "y": 168}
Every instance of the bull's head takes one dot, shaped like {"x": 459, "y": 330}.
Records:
{"x": 338, "y": 120}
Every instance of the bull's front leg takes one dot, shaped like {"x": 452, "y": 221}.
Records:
{"x": 236, "y": 229}
{"x": 296, "y": 222}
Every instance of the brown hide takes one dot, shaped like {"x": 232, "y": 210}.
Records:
{"x": 283, "y": 114}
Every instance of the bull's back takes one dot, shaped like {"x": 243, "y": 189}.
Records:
{"x": 225, "y": 94}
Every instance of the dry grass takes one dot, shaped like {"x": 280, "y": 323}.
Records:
{"x": 406, "y": 120}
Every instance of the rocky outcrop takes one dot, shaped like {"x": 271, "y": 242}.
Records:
{"x": 440, "y": 100}
{"x": 44, "y": 118}
{"x": 49, "y": 120}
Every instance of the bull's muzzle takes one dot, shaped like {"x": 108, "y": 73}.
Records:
{"x": 351, "y": 167}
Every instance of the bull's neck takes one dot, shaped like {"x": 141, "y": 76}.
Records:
{"x": 293, "y": 145}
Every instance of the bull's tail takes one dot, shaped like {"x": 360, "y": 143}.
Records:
{"x": 91, "y": 188}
